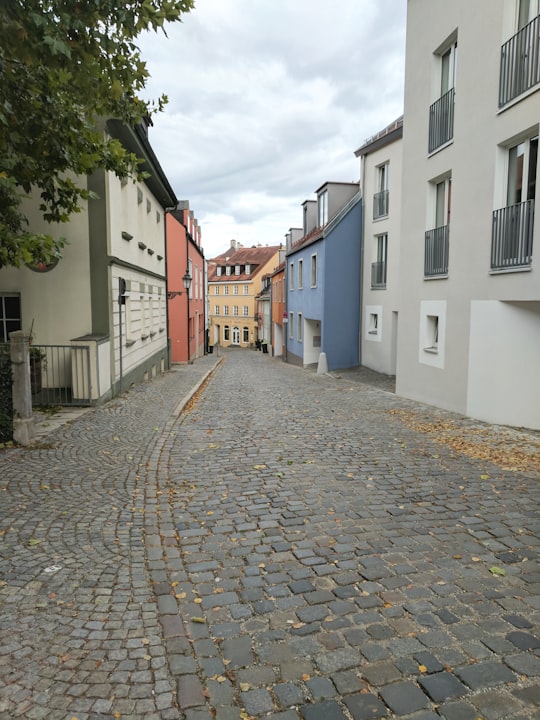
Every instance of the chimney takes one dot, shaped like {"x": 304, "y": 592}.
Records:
{"x": 233, "y": 244}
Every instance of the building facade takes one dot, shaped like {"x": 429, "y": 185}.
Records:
{"x": 380, "y": 172}
{"x": 235, "y": 279}
{"x": 469, "y": 338}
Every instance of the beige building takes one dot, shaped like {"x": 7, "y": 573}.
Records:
{"x": 235, "y": 279}
{"x": 380, "y": 174}
{"x": 469, "y": 321}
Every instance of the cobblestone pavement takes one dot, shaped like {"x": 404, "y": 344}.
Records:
{"x": 287, "y": 547}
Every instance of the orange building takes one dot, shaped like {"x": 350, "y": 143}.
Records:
{"x": 185, "y": 285}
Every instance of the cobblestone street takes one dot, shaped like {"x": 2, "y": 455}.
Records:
{"x": 281, "y": 545}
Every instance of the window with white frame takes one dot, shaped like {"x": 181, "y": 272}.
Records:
{"x": 248, "y": 269}
{"x": 441, "y": 111}
{"x": 10, "y": 315}
{"x": 323, "y": 208}
{"x": 225, "y": 309}
{"x": 218, "y": 271}
{"x": 237, "y": 269}
{"x": 432, "y": 334}
{"x": 522, "y": 166}
{"x": 216, "y": 309}
{"x": 225, "y": 289}
{"x": 380, "y": 199}
{"x": 300, "y": 274}
{"x": 226, "y": 332}
{"x": 313, "y": 274}
{"x": 245, "y": 311}
{"x": 373, "y": 323}
{"x": 246, "y": 289}
{"x": 245, "y": 335}
{"x": 228, "y": 270}
{"x": 527, "y": 10}
{"x": 235, "y": 310}
{"x": 291, "y": 276}
{"x": 216, "y": 290}
{"x": 300, "y": 328}
{"x": 235, "y": 290}
{"x": 291, "y": 325}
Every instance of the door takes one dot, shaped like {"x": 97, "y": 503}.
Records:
{"x": 236, "y": 336}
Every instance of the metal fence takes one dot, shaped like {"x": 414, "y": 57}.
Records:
{"x": 512, "y": 236}
{"x": 60, "y": 375}
{"x": 520, "y": 62}
{"x": 441, "y": 121}
{"x": 436, "y": 251}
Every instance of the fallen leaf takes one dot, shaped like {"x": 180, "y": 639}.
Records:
{"x": 198, "y": 620}
{"x": 497, "y": 570}
{"x": 180, "y": 596}
{"x": 244, "y": 687}
{"x": 422, "y": 668}
{"x": 198, "y": 601}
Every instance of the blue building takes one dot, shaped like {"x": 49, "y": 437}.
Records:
{"x": 323, "y": 280}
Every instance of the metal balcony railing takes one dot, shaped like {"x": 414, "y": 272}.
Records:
{"x": 436, "y": 251}
{"x": 512, "y": 236}
{"x": 441, "y": 120}
{"x": 520, "y": 62}
{"x": 380, "y": 204}
{"x": 378, "y": 274}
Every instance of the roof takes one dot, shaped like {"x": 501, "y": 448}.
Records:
{"x": 385, "y": 136}
{"x": 253, "y": 256}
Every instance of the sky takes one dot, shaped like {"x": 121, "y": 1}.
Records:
{"x": 268, "y": 100}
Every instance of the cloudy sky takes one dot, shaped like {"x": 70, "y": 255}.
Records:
{"x": 269, "y": 99}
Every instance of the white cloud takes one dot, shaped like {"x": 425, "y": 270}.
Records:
{"x": 268, "y": 99}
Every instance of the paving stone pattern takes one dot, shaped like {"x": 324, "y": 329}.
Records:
{"x": 284, "y": 548}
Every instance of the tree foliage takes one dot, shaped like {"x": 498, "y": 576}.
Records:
{"x": 65, "y": 66}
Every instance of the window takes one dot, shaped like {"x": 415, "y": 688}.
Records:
{"x": 228, "y": 270}
{"x": 247, "y": 269}
{"x": 225, "y": 289}
{"x": 10, "y": 315}
{"x": 245, "y": 335}
{"x": 245, "y": 311}
{"x": 291, "y": 276}
{"x": 226, "y": 332}
{"x": 512, "y": 234}
{"x": 380, "y": 199}
{"x": 218, "y": 271}
{"x": 378, "y": 268}
{"x": 235, "y": 290}
{"x": 246, "y": 289}
{"x": 373, "y": 324}
{"x": 225, "y": 309}
{"x": 216, "y": 309}
{"x": 527, "y": 10}
{"x": 300, "y": 328}
{"x": 148, "y": 206}
{"x": 139, "y": 196}
{"x": 216, "y": 290}
{"x": 436, "y": 244}
{"x": 313, "y": 270}
{"x": 235, "y": 310}
{"x": 441, "y": 112}
{"x": 237, "y": 269}
{"x": 291, "y": 325}
{"x": 300, "y": 274}
{"x": 323, "y": 208}
{"x": 432, "y": 334}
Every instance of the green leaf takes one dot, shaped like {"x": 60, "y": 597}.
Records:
{"x": 497, "y": 570}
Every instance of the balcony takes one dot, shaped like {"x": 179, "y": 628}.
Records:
{"x": 436, "y": 251}
{"x": 378, "y": 274}
{"x": 520, "y": 63}
{"x": 512, "y": 236}
{"x": 441, "y": 121}
{"x": 380, "y": 204}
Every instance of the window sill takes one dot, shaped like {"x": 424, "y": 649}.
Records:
{"x": 513, "y": 269}
{"x": 432, "y": 350}
{"x": 130, "y": 342}
{"x": 441, "y": 147}
{"x": 442, "y": 276}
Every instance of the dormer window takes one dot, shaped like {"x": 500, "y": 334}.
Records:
{"x": 218, "y": 271}
{"x": 248, "y": 269}
{"x": 323, "y": 208}
{"x": 237, "y": 269}
{"x": 228, "y": 270}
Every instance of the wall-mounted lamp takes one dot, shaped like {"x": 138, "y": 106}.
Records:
{"x": 187, "y": 284}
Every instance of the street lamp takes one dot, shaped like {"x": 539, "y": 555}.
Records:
{"x": 187, "y": 284}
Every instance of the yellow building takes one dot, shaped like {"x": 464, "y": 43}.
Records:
{"x": 234, "y": 281}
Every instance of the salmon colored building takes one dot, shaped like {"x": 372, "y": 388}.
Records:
{"x": 279, "y": 311}
{"x": 186, "y": 284}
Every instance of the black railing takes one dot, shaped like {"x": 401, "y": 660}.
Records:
{"x": 520, "y": 62}
{"x": 436, "y": 251}
{"x": 378, "y": 274}
{"x": 441, "y": 121}
{"x": 60, "y": 375}
{"x": 380, "y": 204}
{"x": 512, "y": 236}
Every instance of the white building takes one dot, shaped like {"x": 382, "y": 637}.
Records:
{"x": 469, "y": 335}
{"x": 381, "y": 191}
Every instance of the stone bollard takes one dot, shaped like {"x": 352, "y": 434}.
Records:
{"x": 322, "y": 367}
{"x": 23, "y": 421}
